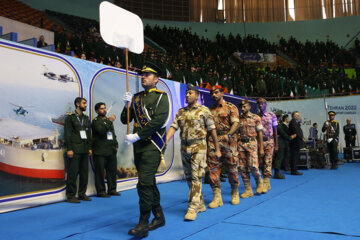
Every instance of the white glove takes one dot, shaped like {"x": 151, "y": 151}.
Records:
{"x": 326, "y": 123}
{"x": 131, "y": 138}
{"x": 330, "y": 140}
{"x": 127, "y": 97}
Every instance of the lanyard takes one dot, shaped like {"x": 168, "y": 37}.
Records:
{"x": 81, "y": 122}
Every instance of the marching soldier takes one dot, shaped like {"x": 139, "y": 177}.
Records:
{"x": 150, "y": 111}
{"x": 105, "y": 147}
{"x": 226, "y": 117}
{"x": 270, "y": 140}
{"x": 332, "y": 129}
{"x": 250, "y": 139}
{"x": 194, "y": 122}
{"x": 78, "y": 144}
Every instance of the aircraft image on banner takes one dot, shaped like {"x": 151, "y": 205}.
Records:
{"x": 60, "y": 77}
{"x": 20, "y": 110}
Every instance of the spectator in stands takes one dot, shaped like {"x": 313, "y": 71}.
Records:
{"x": 41, "y": 43}
{"x": 118, "y": 64}
{"x": 83, "y": 56}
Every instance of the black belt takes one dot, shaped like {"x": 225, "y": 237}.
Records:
{"x": 221, "y": 132}
{"x": 267, "y": 138}
{"x": 191, "y": 141}
{"x": 246, "y": 140}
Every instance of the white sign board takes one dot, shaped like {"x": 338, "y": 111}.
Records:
{"x": 121, "y": 28}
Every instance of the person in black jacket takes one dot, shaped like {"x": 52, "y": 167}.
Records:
{"x": 297, "y": 143}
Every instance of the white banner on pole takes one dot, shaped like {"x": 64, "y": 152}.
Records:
{"x": 121, "y": 28}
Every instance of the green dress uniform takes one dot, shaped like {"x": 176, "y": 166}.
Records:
{"x": 332, "y": 133}
{"x": 105, "y": 146}
{"x": 146, "y": 155}
{"x": 77, "y": 139}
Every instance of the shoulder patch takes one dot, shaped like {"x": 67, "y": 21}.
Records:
{"x": 70, "y": 113}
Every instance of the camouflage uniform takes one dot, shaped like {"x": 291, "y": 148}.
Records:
{"x": 225, "y": 115}
{"x": 269, "y": 121}
{"x": 249, "y": 125}
{"x": 194, "y": 124}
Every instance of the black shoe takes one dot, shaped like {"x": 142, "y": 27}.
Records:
{"x": 103, "y": 195}
{"x": 296, "y": 173}
{"x": 159, "y": 219}
{"x": 73, "y": 200}
{"x": 84, "y": 198}
{"x": 114, "y": 194}
{"x": 278, "y": 175}
{"x": 142, "y": 228}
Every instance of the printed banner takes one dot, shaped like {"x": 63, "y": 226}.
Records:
{"x": 256, "y": 57}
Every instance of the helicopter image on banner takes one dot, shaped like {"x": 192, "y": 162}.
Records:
{"x": 59, "y": 77}
{"x": 20, "y": 110}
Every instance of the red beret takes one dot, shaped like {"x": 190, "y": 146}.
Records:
{"x": 213, "y": 88}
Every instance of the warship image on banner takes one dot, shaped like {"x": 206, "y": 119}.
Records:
{"x": 33, "y": 102}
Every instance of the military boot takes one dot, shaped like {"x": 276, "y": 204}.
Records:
{"x": 248, "y": 191}
{"x": 217, "y": 200}
{"x": 190, "y": 215}
{"x": 235, "y": 200}
{"x": 159, "y": 218}
{"x": 278, "y": 175}
{"x": 142, "y": 228}
{"x": 202, "y": 207}
{"x": 260, "y": 186}
{"x": 267, "y": 183}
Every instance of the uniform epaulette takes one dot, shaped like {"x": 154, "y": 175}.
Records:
{"x": 334, "y": 121}
{"x": 159, "y": 91}
{"x": 70, "y": 113}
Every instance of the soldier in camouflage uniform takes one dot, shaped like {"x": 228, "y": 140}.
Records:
{"x": 332, "y": 130}
{"x": 78, "y": 144}
{"x": 226, "y": 116}
{"x": 249, "y": 141}
{"x": 194, "y": 122}
{"x": 270, "y": 140}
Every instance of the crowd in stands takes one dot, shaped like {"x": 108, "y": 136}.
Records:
{"x": 320, "y": 67}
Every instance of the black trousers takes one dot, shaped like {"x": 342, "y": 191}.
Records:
{"x": 350, "y": 143}
{"x": 108, "y": 164}
{"x": 294, "y": 158}
{"x": 78, "y": 164}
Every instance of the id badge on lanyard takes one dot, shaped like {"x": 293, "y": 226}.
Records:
{"x": 82, "y": 132}
{"x": 109, "y": 136}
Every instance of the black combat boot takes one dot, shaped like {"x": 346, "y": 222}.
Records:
{"x": 278, "y": 175}
{"x": 159, "y": 218}
{"x": 142, "y": 228}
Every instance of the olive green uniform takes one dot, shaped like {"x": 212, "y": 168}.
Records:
{"x": 105, "y": 146}
{"x": 146, "y": 155}
{"x": 74, "y": 123}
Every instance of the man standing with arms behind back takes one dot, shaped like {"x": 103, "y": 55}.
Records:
{"x": 78, "y": 144}
{"x": 150, "y": 111}
{"x": 350, "y": 133}
{"x": 297, "y": 143}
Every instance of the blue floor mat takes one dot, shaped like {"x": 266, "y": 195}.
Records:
{"x": 318, "y": 201}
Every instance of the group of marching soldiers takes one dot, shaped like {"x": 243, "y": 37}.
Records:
{"x": 210, "y": 139}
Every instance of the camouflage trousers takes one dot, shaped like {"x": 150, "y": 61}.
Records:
{"x": 265, "y": 162}
{"x": 248, "y": 155}
{"x": 228, "y": 157}
{"x": 194, "y": 163}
